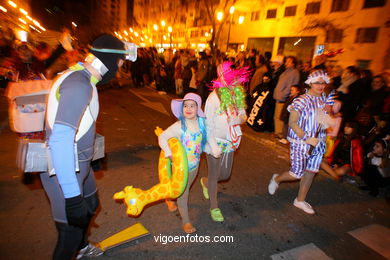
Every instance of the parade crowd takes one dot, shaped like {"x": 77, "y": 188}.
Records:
{"x": 360, "y": 113}
{"x": 362, "y": 99}
{"x": 333, "y": 118}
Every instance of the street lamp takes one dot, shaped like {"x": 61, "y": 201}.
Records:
{"x": 162, "y": 32}
{"x": 170, "y": 36}
{"x": 12, "y": 4}
{"x": 231, "y": 11}
{"x": 219, "y": 16}
{"x": 241, "y": 19}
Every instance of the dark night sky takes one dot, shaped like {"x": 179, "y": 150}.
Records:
{"x": 55, "y": 14}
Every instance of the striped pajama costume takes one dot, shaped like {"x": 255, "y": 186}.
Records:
{"x": 307, "y": 106}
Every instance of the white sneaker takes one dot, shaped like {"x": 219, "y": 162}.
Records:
{"x": 273, "y": 185}
{"x": 303, "y": 205}
{"x": 90, "y": 251}
{"x": 283, "y": 141}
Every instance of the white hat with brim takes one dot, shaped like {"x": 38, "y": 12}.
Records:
{"x": 177, "y": 105}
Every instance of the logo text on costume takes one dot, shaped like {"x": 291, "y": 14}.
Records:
{"x": 256, "y": 108}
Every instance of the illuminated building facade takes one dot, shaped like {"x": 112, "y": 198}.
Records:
{"x": 295, "y": 27}
{"x": 111, "y": 14}
{"x": 187, "y": 21}
{"x": 360, "y": 28}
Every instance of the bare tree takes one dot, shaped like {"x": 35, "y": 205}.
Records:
{"x": 327, "y": 27}
{"x": 212, "y": 7}
{"x": 323, "y": 24}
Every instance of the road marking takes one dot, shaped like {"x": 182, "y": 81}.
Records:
{"x": 374, "y": 236}
{"x": 157, "y": 106}
{"x": 306, "y": 252}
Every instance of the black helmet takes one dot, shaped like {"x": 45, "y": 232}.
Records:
{"x": 108, "y": 49}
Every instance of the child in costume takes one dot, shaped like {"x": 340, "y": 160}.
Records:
{"x": 191, "y": 131}
{"x": 225, "y": 111}
{"x": 376, "y": 172}
{"x": 305, "y": 131}
{"x": 346, "y": 155}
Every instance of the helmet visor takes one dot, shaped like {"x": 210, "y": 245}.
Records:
{"x": 130, "y": 51}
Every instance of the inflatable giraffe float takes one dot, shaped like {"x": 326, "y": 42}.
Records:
{"x": 173, "y": 179}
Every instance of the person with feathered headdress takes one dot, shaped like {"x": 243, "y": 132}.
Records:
{"x": 225, "y": 111}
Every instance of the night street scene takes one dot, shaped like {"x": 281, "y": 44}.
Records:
{"x": 195, "y": 129}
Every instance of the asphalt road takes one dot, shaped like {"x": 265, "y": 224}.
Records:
{"x": 260, "y": 225}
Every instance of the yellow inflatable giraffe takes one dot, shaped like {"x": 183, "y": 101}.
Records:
{"x": 172, "y": 183}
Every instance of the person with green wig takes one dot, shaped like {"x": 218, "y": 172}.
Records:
{"x": 225, "y": 112}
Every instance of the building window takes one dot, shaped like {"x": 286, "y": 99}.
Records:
{"x": 364, "y": 35}
{"x": 374, "y": 3}
{"x": 334, "y": 36}
{"x": 271, "y": 13}
{"x": 194, "y": 33}
{"x": 313, "y": 8}
{"x": 255, "y": 16}
{"x": 290, "y": 11}
{"x": 340, "y": 5}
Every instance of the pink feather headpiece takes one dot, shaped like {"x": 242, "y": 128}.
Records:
{"x": 228, "y": 76}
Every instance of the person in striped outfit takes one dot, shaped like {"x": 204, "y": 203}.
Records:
{"x": 304, "y": 132}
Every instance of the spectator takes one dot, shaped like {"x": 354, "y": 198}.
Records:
{"x": 351, "y": 93}
{"x": 33, "y": 63}
{"x": 203, "y": 75}
{"x": 267, "y": 56}
{"x": 179, "y": 74}
{"x": 252, "y": 59}
{"x": 257, "y": 78}
{"x": 346, "y": 156}
{"x": 261, "y": 109}
{"x": 288, "y": 78}
{"x": 335, "y": 80}
{"x": 373, "y": 105}
{"x": 377, "y": 168}
{"x": 304, "y": 72}
{"x": 381, "y": 129}
{"x": 187, "y": 74}
{"x": 193, "y": 83}
{"x": 295, "y": 91}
